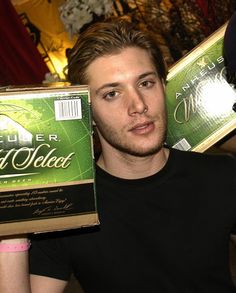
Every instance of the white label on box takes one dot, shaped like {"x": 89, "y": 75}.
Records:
{"x": 68, "y": 109}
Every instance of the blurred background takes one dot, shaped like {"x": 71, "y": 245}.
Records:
{"x": 54, "y": 25}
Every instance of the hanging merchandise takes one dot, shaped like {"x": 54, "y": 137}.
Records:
{"x": 77, "y": 13}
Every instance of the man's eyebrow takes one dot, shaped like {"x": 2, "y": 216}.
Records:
{"x": 106, "y": 85}
{"x": 114, "y": 84}
{"x": 147, "y": 74}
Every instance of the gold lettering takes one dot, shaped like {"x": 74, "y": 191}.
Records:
{"x": 42, "y": 161}
{"x": 184, "y": 109}
{"x": 3, "y": 160}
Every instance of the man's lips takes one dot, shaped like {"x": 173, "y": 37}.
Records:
{"x": 142, "y": 128}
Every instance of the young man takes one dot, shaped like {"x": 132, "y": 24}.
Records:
{"x": 166, "y": 216}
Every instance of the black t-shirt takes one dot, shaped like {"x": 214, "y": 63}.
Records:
{"x": 165, "y": 233}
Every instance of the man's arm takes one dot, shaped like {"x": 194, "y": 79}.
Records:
{"x": 233, "y": 239}
{"x": 41, "y": 284}
{"x": 14, "y": 274}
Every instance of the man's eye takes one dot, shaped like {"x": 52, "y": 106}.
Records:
{"x": 146, "y": 83}
{"x": 110, "y": 95}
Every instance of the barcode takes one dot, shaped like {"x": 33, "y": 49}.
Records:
{"x": 68, "y": 109}
{"x": 182, "y": 145}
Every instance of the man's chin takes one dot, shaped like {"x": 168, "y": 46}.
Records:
{"x": 140, "y": 152}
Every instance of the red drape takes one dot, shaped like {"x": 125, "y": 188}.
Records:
{"x": 207, "y": 8}
{"x": 208, "y": 11}
{"x": 20, "y": 61}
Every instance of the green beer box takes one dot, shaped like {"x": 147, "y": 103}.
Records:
{"x": 47, "y": 176}
{"x": 199, "y": 99}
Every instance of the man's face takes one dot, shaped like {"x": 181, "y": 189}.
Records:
{"x": 128, "y": 102}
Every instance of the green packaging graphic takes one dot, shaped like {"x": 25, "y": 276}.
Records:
{"x": 199, "y": 99}
{"x": 46, "y": 160}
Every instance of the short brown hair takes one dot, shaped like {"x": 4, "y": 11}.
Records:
{"x": 106, "y": 38}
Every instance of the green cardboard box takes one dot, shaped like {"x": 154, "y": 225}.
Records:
{"x": 199, "y": 99}
{"x": 47, "y": 176}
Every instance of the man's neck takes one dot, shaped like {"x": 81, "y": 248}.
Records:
{"x": 132, "y": 167}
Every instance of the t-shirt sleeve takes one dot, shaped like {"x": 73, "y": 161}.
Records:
{"x": 49, "y": 257}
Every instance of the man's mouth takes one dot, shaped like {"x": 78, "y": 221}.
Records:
{"x": 142, "y": 128}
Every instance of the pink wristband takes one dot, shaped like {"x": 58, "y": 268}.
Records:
{"x": 14, "y": 247}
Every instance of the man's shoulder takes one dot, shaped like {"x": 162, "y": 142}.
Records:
{"x": 204, "y": 160}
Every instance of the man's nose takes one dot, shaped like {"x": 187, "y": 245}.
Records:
{"x": 136, "y": 103}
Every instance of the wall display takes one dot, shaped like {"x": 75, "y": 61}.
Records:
{"x": 199, "y": 98}
{"x": 46, "y": 159}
